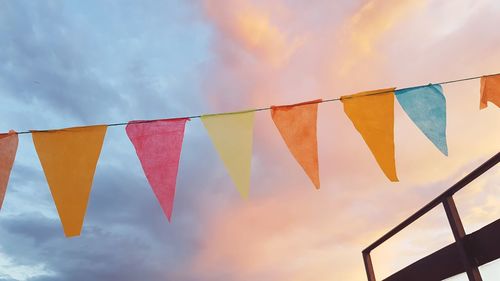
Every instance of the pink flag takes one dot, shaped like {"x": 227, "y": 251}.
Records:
{"x": 8, "y": 148}
{"x": 158, "y": 145}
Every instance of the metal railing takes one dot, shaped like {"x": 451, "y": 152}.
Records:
{"x": 446, "y": 198}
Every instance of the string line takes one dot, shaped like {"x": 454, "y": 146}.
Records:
{"x": 269, "y": 108}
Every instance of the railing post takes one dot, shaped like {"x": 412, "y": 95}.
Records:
{"x": 459, "y": 234}
{"x": 455, "y": 223}
{"x": 368, "y": 266}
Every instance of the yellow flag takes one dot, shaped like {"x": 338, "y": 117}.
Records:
{"x": 69, "y": 158}
{"x": 232, "y": 136}
{"x": 372, "y": 114}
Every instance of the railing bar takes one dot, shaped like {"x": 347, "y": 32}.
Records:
{"x": 369, "y": 267}
{"x": 449, "y": 192}
{"x": 459, "y": 233}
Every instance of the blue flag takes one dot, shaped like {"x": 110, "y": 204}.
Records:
{"x": 426, "y": 107}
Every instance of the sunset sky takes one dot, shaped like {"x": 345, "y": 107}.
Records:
{"x": 73, "y": 63}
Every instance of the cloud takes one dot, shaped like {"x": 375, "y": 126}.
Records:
{"x": 368, "y": 27}
{"x": 112, "y": 62}
{"x": 253, "y": 29}
{"x": 125, "y": 234}
{"x": 67, "y": 65}
{"x": 44, "y": 63}
{"x": 289, "y": 232}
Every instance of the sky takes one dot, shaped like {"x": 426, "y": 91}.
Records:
{"x": 74, "y": 63}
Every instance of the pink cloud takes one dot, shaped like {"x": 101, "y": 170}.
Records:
{"x": 282, "y": 52}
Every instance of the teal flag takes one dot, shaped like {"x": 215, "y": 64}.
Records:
{"x": 426, "y": 107}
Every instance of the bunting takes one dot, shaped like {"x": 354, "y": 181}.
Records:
{"x": 426, "y": 107}
{"x": 297, "y": 126}
{"x": 8, "y": 149}
{"x": 69, "y": 158}
{"x": 158, "y": 145}
{"x": 490, "y": 90}
{"x": 372, "y": 114}
{"x": 232, "y": 136}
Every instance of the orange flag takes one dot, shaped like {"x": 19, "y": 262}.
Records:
{"x": 8, "y": 149}
{"x": 69, "y": 158}
{"x": 490, "y": 90}
{"x": 372, "y": 114}
{"x": 297, "y": 125}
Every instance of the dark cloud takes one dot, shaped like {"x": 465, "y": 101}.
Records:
{"x": 125, "y": 236}
{"x": 65, "y": 64}
{"x": 44, "y": 63}
{"x": 89, "y": 67}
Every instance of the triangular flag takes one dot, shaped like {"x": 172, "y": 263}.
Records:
{"x": 158, "y": 145}
{"x": 8, "y": 149}
{"x": 69, "y": 158}
{"x": 232, "y": 136}
{"x": 372, "y": 114}
{"x": 490, "y": 90}
{"x": 426, "y": 107}
{"x": 297, "y": 125}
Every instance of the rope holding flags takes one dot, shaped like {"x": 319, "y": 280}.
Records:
{"x": 69, "y": 156}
